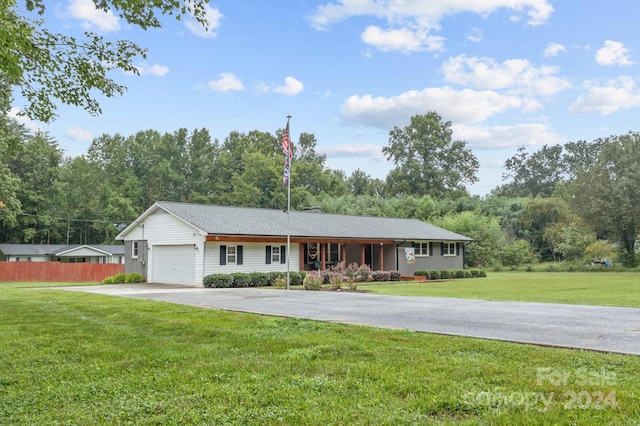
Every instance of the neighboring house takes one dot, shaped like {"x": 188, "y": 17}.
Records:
{"x": 74, "y": 253}
{"x": 181, "y": 243}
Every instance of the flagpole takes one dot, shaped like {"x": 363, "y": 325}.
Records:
{"x": 289, "y": 205}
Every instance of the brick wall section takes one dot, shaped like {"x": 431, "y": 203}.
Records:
{"x": 57, "y": 271}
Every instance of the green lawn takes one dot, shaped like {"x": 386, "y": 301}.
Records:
{"x": 604, "y": 288}
{"x": 77, "y": 358}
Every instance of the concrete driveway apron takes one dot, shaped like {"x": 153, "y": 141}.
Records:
{"x": 598, "y": 328}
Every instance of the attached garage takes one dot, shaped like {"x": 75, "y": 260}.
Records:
{"x": 174, "y": 264}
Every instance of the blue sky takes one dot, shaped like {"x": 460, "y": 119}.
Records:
{"x": 506, "y": 73}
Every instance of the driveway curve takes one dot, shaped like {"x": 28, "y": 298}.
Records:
{"x": 599, "y": 328}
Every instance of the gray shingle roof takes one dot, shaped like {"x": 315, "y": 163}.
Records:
{"x": 52, "y": 249}
{"x": 225, "y": 220}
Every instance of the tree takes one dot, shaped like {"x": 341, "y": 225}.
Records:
{"x": 606, "y": 193}
{"x": 11, "y": 136}
{"x": 540, "y": 215}
{"x": 50, "y": 67}
{"x": 534, "y": 174}
{"x": 37, "y": 166}
{"x": 427, "y": 161}
{"x": 485, "y": 230}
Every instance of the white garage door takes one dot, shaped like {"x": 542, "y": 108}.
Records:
{"x": 174, "y": 264}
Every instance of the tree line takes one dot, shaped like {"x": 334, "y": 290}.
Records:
{"x": 572, "y": 202}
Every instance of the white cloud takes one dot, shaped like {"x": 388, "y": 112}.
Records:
{"x": 291, "y": 87}
{"x": 517, "y": 76}
{"x": 460, "y": 106}
{"x": 30, "y": 125}
{"x": 403, "y": 40}
{"x": 553, "y": 49}
{"x": 492, "y": 137}
{"x": 617, "y": 94}
{"x": 213, "y": 17}
{"x": 226, "y": 83}
{"x": 426, "y": 13}
{"x": 410, "y": 22}
{"x": 78, "y": 134}
{"x": 613, "y": 53}
{"x": 85, "y": 10}
{"x": 154, "y": 70}
{"x": 475, "y": 35}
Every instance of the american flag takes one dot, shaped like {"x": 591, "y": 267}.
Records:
{"x": 286, "y": 142}
{"x": 287, "y": 170}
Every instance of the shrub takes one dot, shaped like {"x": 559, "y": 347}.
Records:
{"x": 482, "y": 273}
{"x": 458, "y": 273}
{"x": 434, "y": 275}
{"x": 335, "y": 280}
{"x": 421, "y": 273}
{"x": 274, "y": 275}
{"x": 295, "y": 278}
{"x": 467, "y": 273}
{"x": 241, "y": 279}
{"x": 364, "y": 273}
{"x": 134, "y": 277}
{"x": 313, "y": 280}
{"x": 119, "y": 278}
{"x": 218, "y": 281}
{"x": 444, "y": 274}
{"x": 394, "y": 275}
{"x": 280, "y": 282}
{"x": 258, "y": 279}
{"x": 381, "y": 276}
{"x": 108, "y": 280}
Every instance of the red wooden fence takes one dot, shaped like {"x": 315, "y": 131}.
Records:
{"x": 57, "y": 271}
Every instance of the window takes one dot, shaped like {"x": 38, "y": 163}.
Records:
{"x": 134, "y": 250}
{"x": 448, "y": 249}
{"x": 275, "y": 254}
{"x": 231, "y": 254}
{"x": 421, "y": 249}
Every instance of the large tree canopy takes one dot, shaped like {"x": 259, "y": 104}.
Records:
{"x": 427, "y": 161}
{"x": 606, "y": 193}
{"x": 50, "y": 67}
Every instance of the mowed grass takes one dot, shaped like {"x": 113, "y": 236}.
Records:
{"x": 605, "y": 288}
{"x": 77, "y": 358}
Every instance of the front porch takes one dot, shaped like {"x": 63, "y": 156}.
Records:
{"x": 323, "y": 254}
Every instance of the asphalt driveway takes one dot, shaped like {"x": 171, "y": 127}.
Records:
{"x": 573, "y": 326}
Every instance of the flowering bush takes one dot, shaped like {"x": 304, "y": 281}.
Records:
{"x": 313, "y": 280}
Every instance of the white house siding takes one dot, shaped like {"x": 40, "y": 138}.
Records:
{"x": 253, "y": 258}
{"x": 30, "y": 258}
{"x": 161, "y": 228}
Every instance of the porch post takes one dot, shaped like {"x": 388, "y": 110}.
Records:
{"x": 362, "y": 249}
{"x": 323, "y": 256}
{"x": 343, "y": 253}
{"x": 382, "y": 256}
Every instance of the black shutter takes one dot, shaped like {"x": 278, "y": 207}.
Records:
{"x": 267, "y": 257}
{"x": 441, "y": 249}
{"x": 283, "y": 254}
{"x": 223, "y": 255}
{"x": 430, "y": 248}
{"x": 457, "y": 249}
{"x": 239, "y": 255}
